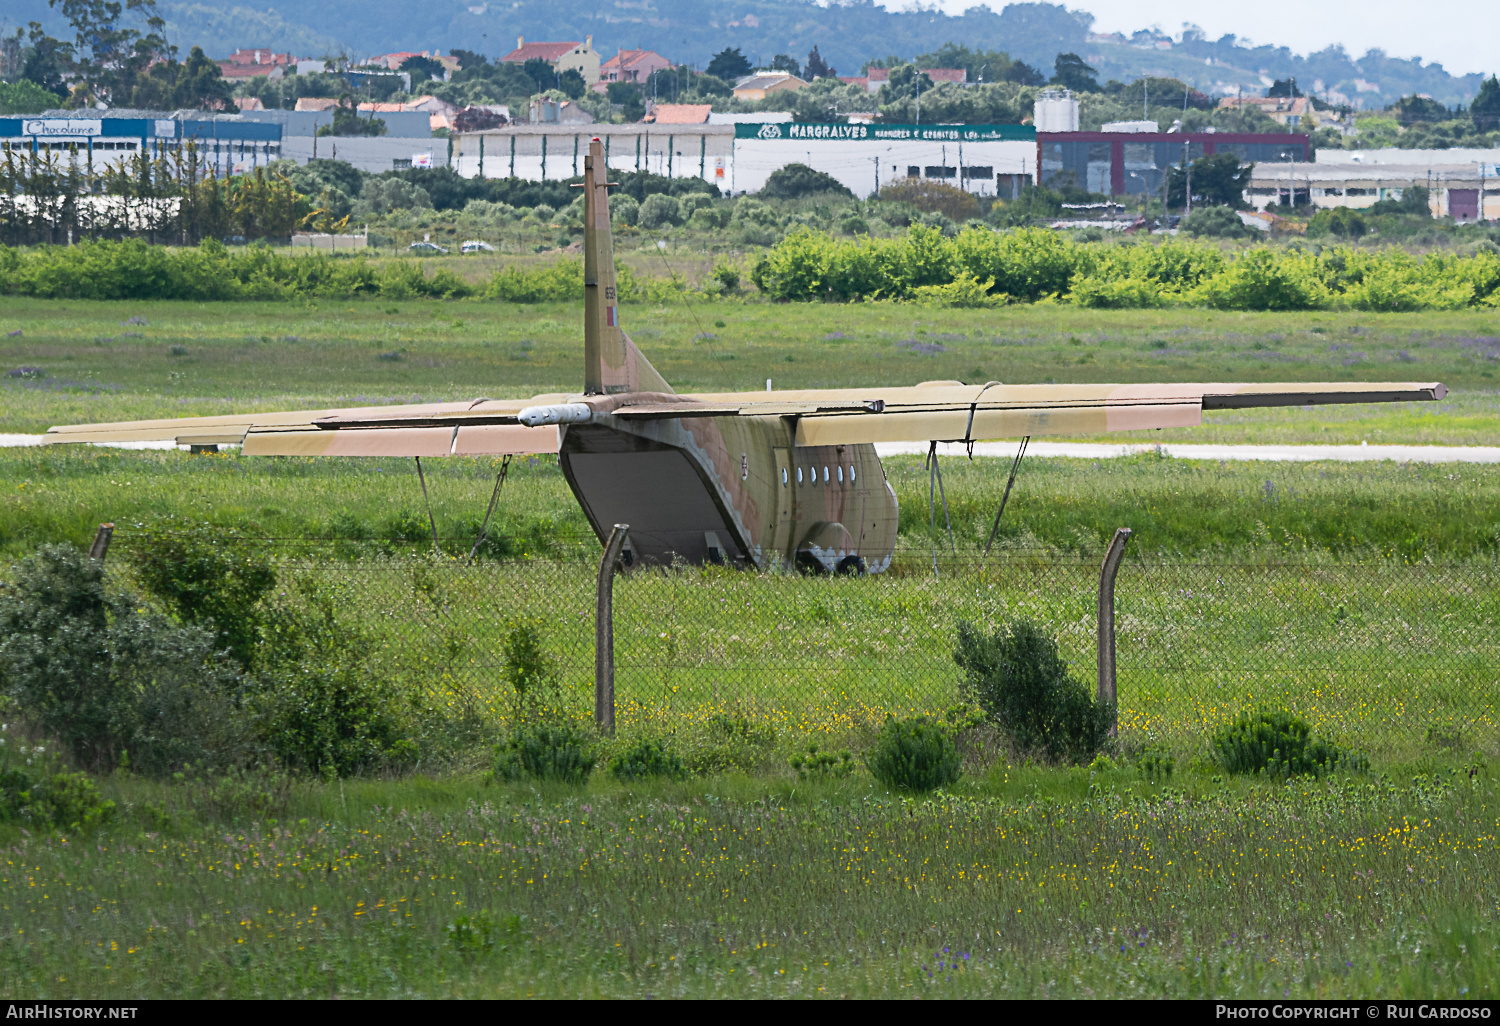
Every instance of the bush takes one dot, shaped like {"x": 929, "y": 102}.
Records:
{"x": 729, "y": 743}
{"x": 545, "y": 751}
{"x": 647, "y": 758}
{"x": 324, "y": 707}
{"x": 1017, "y": 677}
{"x": 793, "y": 181}
{"x": 42, "y": 799}
{"x": 212, "y": 577}
{"x": 1341, "y": 222}
{"x": 660, "y": 211}
{"x": 104, "y": 677}
{"x": 1279, "y": 744}
{"x": 624, "y": 210}
{"x": 932, "y": 198}
{"x": 1156, "y": 762}
{"x": 1264, "y": 280}
{"x": 1217, "y": 223}
{"x": 914, "y": 755}
{"x": 816, "y": 765}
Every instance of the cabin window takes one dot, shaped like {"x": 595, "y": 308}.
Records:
{"x": 783, "y": 477}
{"x": 851, "y": 473}
{"x": 799, "y": 475}
{"x": 825, "y": 475}
{"x": 841, "y": 475}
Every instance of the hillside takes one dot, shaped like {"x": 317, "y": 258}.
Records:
{"x": 847, "y": 35}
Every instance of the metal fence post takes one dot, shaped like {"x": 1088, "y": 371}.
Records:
{"x": 100, "y": 547}
{"x": 1107, "y": 622}
{"x": 604, "y": 632}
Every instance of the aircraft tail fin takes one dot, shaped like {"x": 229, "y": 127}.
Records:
{"x": 612, "y": 363}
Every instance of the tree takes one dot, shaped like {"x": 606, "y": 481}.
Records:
{"x": 424, "y": 69}
{"x": 1024, "y": 74}
{"x": 107, "y": 58}
{"x": 816, "y": 66}
{"x": 45, "y": 61}
{"x": 729, "y": 64}
{"x": 797, "y": 180}
{"x": 1071, "y": 72}
{"x": 1218, "y": 180}
{"x": 1416, "y": 109}
{"x": 627, "y": 95}
{"x": 468, "y": 60}
{"x": 1285, "y": 87}
{"x": 196, "y": 83}
{"x": 1485, "y": 110}
{"x": 25, "y": 97}
{"x": 542, "y": 73}
{"x": 347, "y": 122}
{"x": 786, "y": 62}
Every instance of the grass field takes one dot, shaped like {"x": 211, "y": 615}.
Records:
{"x": 1361, "y": 595}
{"x": 92, "y": 363}
{"x": 1026, "y": 883}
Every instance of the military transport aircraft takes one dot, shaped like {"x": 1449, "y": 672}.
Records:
{"x": 771, "y": 480}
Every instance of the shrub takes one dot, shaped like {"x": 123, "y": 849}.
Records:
{"x": 914, "y": 755}
{"x": 1278, "y": 743}
{"x": 324, "y": 707}
{"x": 816, "y": 765}
{"x": 793, "y": 181}
{"x": 660, "y": 211}
{"x": 647, "y": 758}
{"x": 1217, "y": 223}
{"x": 1156, "y": 762}
{"x": 212, "y": 577}
{"x": 729, "y": 742}
{"x": 545, "y": 751}
{"x": 1263, "y": 280}
{"x": 624, "y": 210}
{"x": 104, "y": 677}
{"x": 964, "y": 291}
{"x": 932, "y": 198}
{"x": 1017, "y": 677}
{"x": 1340, "y": 221}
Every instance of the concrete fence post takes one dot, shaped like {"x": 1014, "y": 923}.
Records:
{"x": 100, "y": 547}
{"x": 604, "y": 632}
{"x": 1107, "y": 622}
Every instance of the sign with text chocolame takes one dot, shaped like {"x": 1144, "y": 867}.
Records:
{"x": 800, "y": 132}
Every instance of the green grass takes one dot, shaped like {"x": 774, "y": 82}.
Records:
{"x": 242, "y": 356}
{"x": 1019, "y": 883}
{"x": 1177, "y": 508}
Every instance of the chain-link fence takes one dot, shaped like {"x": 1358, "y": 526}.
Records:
{"x": 1394, "y": 659}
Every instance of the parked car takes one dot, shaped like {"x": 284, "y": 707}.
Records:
{"x": 426, "y": 248}
{"x": 476, "y": 246}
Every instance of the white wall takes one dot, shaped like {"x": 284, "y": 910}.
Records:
{"x": 864, "y": 165}
{"x": 368, "y": 153}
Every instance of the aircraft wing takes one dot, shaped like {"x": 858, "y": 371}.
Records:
{"x": 936, "y": 411}
{"x": 296, "y": 432}
{"x": 952, "y": 412}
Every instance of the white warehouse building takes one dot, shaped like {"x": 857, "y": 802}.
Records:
{"x": 984, "y": 159}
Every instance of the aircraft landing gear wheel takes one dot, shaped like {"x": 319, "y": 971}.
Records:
{"x": 852, "y": 566}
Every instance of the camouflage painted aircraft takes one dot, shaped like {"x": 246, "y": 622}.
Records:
{"x": 771, "y": 480}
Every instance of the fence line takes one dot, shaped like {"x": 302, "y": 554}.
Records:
{"x": 1393, "y": 658}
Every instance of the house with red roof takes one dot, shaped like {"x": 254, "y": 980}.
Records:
{"x": 579, "y": 57}
{"x": 631, "y": 66}
{"x": 877, "y": 77}
{"x": 260, "y": 62}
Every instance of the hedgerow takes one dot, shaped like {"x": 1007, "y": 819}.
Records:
{"x": 1029, "y": 264}
{"x": 974, "y": 267}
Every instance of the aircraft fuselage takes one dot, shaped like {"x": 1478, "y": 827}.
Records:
{"x": 735, "y": 490}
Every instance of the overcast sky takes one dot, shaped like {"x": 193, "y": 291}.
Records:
{"x": 1464, "y": 35}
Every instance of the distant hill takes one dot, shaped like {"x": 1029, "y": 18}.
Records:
{"x": 847, "y": 35}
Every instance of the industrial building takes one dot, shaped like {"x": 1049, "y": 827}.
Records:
{"x": 100, "y": 138}
{"x": 1464, "y": 192}
{"x": 983, "y": 159}
{"x": 1132, "y": 162}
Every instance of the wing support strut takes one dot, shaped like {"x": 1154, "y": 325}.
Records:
{"x": 494, "y": 498}
{"x": 935, "y": 481}
{"x": 1015, "y": 466}
{"x": 428, "y": 503}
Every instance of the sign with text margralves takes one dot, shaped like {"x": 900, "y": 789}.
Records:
{"x": 794, "y": 131}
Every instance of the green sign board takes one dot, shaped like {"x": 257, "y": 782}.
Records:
{"x": 800, "y": 132}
